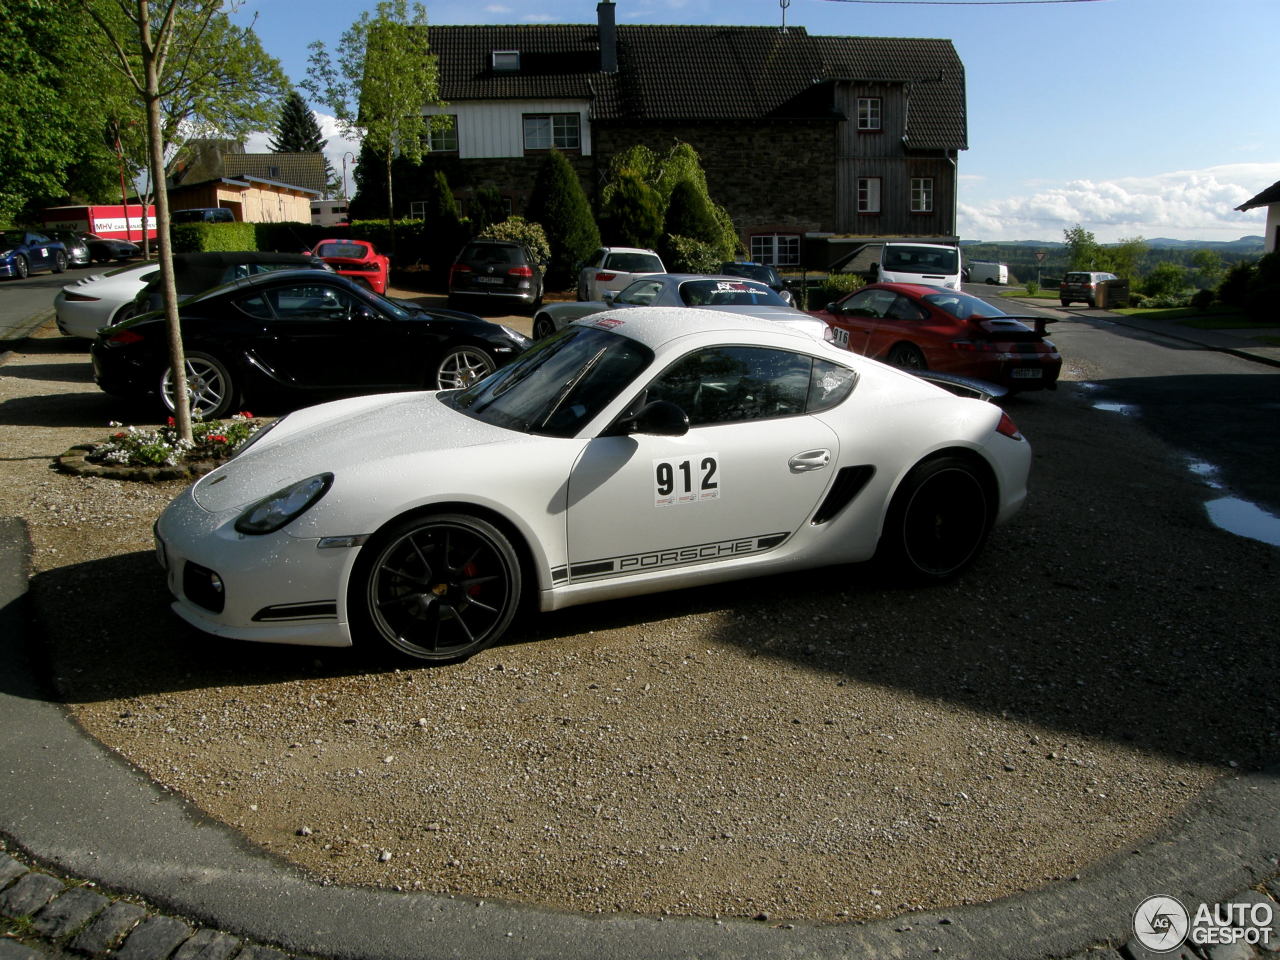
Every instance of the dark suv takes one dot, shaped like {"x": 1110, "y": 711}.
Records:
{"x": 499, "y": 270}
{"x": 1081, "y": 285}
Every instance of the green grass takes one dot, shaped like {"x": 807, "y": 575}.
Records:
{"x": 1021, "y": 293}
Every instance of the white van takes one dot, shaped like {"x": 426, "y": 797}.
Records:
{"x": 987, "y": 271}
{"x": 902, "y": 261}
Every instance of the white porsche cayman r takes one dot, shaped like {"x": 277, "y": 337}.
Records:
{"x": 632, "y": 452}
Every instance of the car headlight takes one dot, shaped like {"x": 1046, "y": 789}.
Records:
{"x": 271, "y": 513}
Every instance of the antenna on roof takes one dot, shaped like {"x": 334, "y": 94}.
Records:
{"x": 784, "y": 4}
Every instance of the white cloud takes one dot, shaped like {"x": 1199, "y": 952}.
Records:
{"x": 1183, "y": 204}
{"x": 539, "y": 18}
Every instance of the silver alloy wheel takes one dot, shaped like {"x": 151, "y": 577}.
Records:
{"x": 209, "y": 388}
{"x": 463, "y": 366}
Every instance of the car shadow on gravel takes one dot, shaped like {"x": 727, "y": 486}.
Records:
{"x": 92, "y": 411}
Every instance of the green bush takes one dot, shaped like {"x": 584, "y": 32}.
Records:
{"x": 1165, "y": 280}
{"x": 632, "y": 215}
{"x": 1264, "y": 289}
{"x": 1202, "y": 299}
{"x": 559, "y": 203}
{"x": 212, "y": 237}
{"x": 688, "y": 255}
{"x": 837, "y": 286}
{"x": 1032, "y": 288}
{"x": 292, "y": 237}
{"x": 521, "y": 230}
{"x": 1234, "y": 287}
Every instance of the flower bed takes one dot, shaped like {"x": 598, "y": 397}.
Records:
{"x": 133, "y": 453}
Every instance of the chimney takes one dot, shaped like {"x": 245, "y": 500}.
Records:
{"x": 608, "y": 37}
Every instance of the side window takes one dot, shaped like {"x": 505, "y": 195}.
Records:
{"x": 869, "y": 303}
{"x": 255, "y": 307}
{"x": 732, "y": 384}
{"x": 829, "y": 385}
{"x": 310, "y": 302}
{"x": 904, "y": 309}
{"x": 640, "y": 294}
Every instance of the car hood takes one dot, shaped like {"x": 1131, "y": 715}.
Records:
{"x": 364, "y": 433}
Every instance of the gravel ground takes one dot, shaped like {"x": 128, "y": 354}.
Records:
{"x": 827, "y": 746}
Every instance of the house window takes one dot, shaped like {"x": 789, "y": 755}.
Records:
{"x": 779, "y": 249}
{"x": 922, "y": 194}
{"x": 868, "y": 194}
{"x": 868, "y": 113}
{"x": 443, "y": 137}
{"x": 506, "y": 60}
{"x": 547, "y": 130}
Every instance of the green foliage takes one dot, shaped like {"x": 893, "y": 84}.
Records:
{"x": 445, "y": 231}
{"x": 384, "y": 76}
{"x": 297, "y": 130}
{"x": 1209, "y": 268}
{"x": 488, "y": 206}
{"x": 1082, "y": 248}
{"x": 520, "y": 230}
{"x": 1202, "y": 299}
{"x": 560, "y": 205}
{"x": 1165, "y": 280}
{"x": 691, "y": 255}
{"x": 1032, "y": 288}
{"x": 1263, "y": 290}
{"x": 837, "y": 286}
{"x": 689, "y": 215}
{"x": 1235, "y": 285}
{"x": 212, "y": 237}
{"x": 1124, "y": 259}
{"x": 211, "y": 440}
{"x": 632, "y": 216}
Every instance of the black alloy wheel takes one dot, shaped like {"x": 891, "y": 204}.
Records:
{"x": 437, "y": 588}
{"x": 21, "y": 268}
{"x": 908, "y": 356}
{"x": 543, "y": 327}
{"x": 59, "y": 261}
{"x": 938, "y": 520}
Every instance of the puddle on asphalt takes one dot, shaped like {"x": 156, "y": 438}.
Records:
{"x": 1124, "y": 409}
{"x": 1244, "y": 519}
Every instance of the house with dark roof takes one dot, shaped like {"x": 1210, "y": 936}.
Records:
{"x": 1269, "y": 198}
{"x": 800, "y": 136}
{"x": 256, "y": 187}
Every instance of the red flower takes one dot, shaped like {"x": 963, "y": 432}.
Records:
{"x": 246, "y": 414}
{"x": 172, "y": 422}
{"x": 217, "y": 438}
{"x": 118, "y": 436}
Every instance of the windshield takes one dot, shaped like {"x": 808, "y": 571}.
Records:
{"x": 728, "y": 293}
{"x": 962, "y": 305}
{"x": 13, "y": 238}
{"x": 559, "y": 385}
{"x": 910, "y": 259}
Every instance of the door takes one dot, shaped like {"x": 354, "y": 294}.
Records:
{"x": 748, "y": 474}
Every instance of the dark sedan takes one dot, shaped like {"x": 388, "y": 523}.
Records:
{"x": 302, "y": 335}
{"x": 107, "y": 249}
{"x": 923, "y": 327}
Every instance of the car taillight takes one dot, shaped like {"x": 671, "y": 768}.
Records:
{"x": 80, "y": 297}
{"x": 605, "y": 277}
{"x": 520, "y": 272}
{"x": 1008, "y": 428}
{"x": 460, "y": 268}
{"x": 125, "y": 337}
{"x": 973, "y": 346}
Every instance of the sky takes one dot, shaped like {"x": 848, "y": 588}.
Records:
{"x": 1150, "y": 118}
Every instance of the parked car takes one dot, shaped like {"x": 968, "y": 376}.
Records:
{"x": 1082, "y": 285}
{"x": 730, "y": 294}
{"x": 101, "y": 299}
{"x": 74, "y": 243}
{"x": 497, "y": 270}
{"x": 987, "y": 271}
{"x": 357, "y": 259}
{"x": 196, "y": 272}
{"x": 23, "y": 252}
{"x": 302, "y": 335}
{"x": 763, "y": 272}
{"x": 203, "y": 215}
{"x": 631, "y": 453}
{"x": 923, "y": 327}
{"x": 612, "y": 268}
{"x": 106, "y": 249}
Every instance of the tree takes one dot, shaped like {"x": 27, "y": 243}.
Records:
{"x": 559, "y": 203}
{"x": 689, "y": 214}
{"x": 1209, "y": 268}
{"x": 298, "y": 132}
{"x": 488, "y": 206}
{"x": 1082, "y": 248}
{"x": 632, "y": 216}
{"x": 444, "y": 228}
{"x": 178, "y": 56}
{"x": 1165, "y": 280}
{"x": 1125, "y": 258}
{"x": 384, "y": 77}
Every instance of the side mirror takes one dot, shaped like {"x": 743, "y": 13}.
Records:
{"x": 608, "y": 296}
{"x": 832, "y": 308}
{"x": 661, "y": 418}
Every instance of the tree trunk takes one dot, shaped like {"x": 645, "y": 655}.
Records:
{"x": 391, "y": 208}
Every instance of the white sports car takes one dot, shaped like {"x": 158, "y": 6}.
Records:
{"x": 635, "y": 451}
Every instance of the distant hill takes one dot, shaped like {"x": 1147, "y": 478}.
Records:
{"x": 1020, "y": 255}
{"x": 1245, "y": 245}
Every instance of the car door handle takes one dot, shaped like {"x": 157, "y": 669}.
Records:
{"x": 809, "y": 460}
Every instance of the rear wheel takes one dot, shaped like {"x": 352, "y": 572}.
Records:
{"x": 938, "y": 520}
{"x": 210, "y": 389}
{"x": 463, "y": 366}
{"x": 907, "y": 355}
{"x": 436, "y": 588}
{"x": 1065, "y": 303}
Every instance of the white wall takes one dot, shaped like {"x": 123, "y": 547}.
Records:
{"x": 497, "y": 129}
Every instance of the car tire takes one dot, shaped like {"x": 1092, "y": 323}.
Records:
{"x": 126, "y": 312}
{"x": 938, "y": 520}
{"x": 543, "y": 327}
{"x": 435, "y": 588}
{"x": 21, "y": 269}
{"x": 908, "y": 356}
{"x": 1093, "y": 304}
{"x": 59, "y": 262}
{"x": 211, "y": 390}
{"x": 463, "y": 366}
{"x": 1065, "y": 303}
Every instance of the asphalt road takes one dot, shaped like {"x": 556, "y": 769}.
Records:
{"x": 23, "y": 300}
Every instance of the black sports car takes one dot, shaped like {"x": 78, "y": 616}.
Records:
{"x": 304, "y": 334}
{"x": 106, "y": 249}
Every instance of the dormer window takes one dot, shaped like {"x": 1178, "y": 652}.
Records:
{"x": 506, "y": 60}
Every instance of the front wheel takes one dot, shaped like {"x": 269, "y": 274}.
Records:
{"x": 59, "y": 262}
{"x": 543, "y": 327}
{"x": 463, "y": 366}
{"x": 210, "y": 389}
{"x": 436, "y": 588}
{"x": 21, "y": 269}
{"x": 938, "y": 520}
{"x": 908, "y": 356}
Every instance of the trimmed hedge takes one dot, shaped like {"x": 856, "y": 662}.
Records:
{"x": 212, "y": 237}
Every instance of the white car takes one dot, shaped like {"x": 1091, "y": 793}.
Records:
{"x": 101, "y": 299}
{"x": 635, "y": 451}
{"x": 702, "y": 291}
{"x": 612, "y": 268}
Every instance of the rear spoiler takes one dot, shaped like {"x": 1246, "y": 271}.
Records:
{"x": 963, "y": 386}
{"x": 1038, "y": 322}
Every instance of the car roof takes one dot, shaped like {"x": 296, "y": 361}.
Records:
{"x": 656, "y": 326}
{"x": 628, "y": 250}
{"x": 230, "y": 257}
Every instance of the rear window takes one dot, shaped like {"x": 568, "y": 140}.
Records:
{"x": 633, "y": 263}
{"x": 492, "y": 253}
{"x": 352, "y": 250}
{"x": 1078, "y": 278}
{"x": 728, "y": 293}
